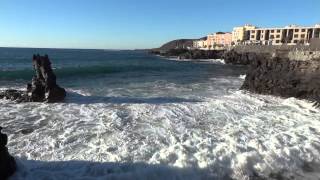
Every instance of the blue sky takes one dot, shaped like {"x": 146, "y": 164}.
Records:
{"x": 129, "y": 24}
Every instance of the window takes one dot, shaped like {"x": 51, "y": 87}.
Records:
{"x": 278, "y": 36}
{"x": 296, "y": 35}
{"x": 303, "y": 35}
{"x": 295, "y": 41}
{"x": 278, "y": 31}
{"x": 303, "y": 30}
{"x": 277, "y": 41}
{"x": 253, "y": 31}
{"x": 272, "y": 31}
{"x": 272, "y": 37}
{"x": 252, "y": 36}
{"x": 296, "y": 30}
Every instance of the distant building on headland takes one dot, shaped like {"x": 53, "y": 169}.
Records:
{"x": 200, "y": 44}
{"x": 289, "y": 35}
{"x": 219, "y": 39}
{"x": 214, "y": 41}
{"x": 249, "y": 34}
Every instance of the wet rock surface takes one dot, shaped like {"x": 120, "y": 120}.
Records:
{"x": 283, "y": 77}
{"x": 43, "y": 87}
{"x": 7, "y": 162}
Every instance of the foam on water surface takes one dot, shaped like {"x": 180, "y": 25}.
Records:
{"x": 238, "y": 135}
{"x": 178, "y": 120}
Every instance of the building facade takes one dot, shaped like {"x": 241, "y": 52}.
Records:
{"x": 249, "y": 34}
{"x": 200, "y": 44}
{"x": 290, "y": 35}
{"x": 220, "y": 39}
{"x": 240, "y": 34}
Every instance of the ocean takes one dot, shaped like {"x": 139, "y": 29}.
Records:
{"x": 132, "y": 115}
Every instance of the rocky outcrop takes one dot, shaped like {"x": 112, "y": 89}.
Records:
{"x": 201, "y": 54}
{"x": 192, "y": 54}
{"x": 43, "y": 87}
{"x": 283, "y": 77}
{"x": 7, "y": 162}
{"x": 244, "y": 58}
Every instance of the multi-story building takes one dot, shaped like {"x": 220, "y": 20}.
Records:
{"x": 240, "y": 34}
{"x": 290, "y": 35}
{"x": 200, "y": 44}
{"x": 219, "y": 39}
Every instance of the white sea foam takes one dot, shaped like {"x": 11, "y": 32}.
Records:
{"x": 214, "y": 61}
{"x": 222, "y": 133}
{"x": 243, "y": 76}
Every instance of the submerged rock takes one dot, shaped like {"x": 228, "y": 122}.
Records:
{"x": 43, "y": 87}
{"x": 7, "y": 162}
{"x": 283, "y": 77}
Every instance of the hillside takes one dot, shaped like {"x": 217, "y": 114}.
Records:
{"x": 178, "y": 44}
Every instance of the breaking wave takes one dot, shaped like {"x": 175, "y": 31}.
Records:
{"x": 238, "y": 136}
{"x": 181, "y": 120}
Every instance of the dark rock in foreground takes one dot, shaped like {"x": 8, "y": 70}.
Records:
{"x": 284, "y": 77}
{"x": 43, "y": 87}
{"x": 7, "y": 162}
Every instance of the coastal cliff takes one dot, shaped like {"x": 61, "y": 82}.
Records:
{"x": 283, "y": 77}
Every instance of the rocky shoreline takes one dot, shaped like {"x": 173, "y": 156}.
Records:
{"x": 271, "y": 73}
{"x": 283, "y": 77}
{"x": 190, "y": 54}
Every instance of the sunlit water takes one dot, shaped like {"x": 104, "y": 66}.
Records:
{"x": 130, "y": 115}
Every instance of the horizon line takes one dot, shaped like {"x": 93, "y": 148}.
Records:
{"x": 75, "y": 48}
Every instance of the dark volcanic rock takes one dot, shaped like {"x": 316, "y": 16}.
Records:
{"x": 192, "y": 54}
{"x": 43, "y": 87}
{"x": 7, "y": 162}
{"x": 202, "y": 54}
{"x": 245, "y": 58}
{"x": 284, "y": 77}
{"x": 14, "y": 95}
